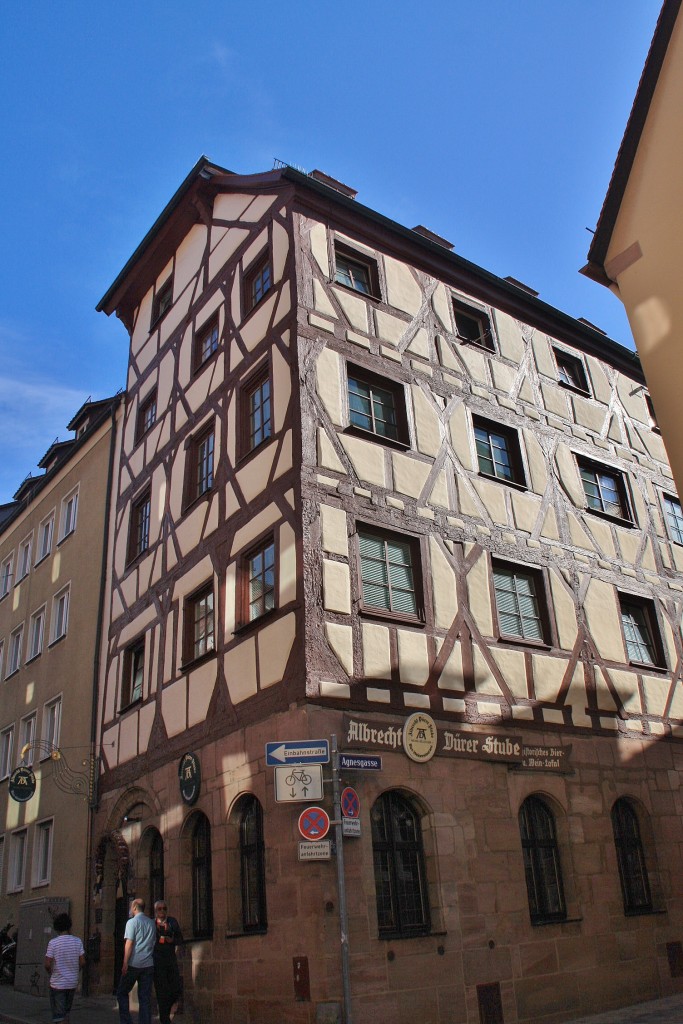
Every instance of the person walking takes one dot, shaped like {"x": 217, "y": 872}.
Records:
{"x": 167, "y": 981}
{"x": 138, "y": 964}
{"x": 64, "y": 958}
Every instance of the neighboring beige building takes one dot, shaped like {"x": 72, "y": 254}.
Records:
{"x": 51, "y": 571}
{"x": 368, "y": 490}
{"x": 637, "y": 249}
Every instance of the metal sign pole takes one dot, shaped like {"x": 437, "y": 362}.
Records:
{"x": 341, "y": 884}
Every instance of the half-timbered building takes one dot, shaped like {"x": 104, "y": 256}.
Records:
{"x": 369, "y": 492}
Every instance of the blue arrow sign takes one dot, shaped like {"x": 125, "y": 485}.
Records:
{"x": 360, "y": 762}
{"x": 298, "y": 752}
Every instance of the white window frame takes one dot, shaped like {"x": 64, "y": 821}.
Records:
{"x": 6, "y": 575}
{"x": 6, "y": 751}
{"x": 2, "y": 656}
{"x": 16, "y": 643}
{"x": 69, "y": 514}
{"x": 46, "y": 532}
{"x": 35, "y": 642}
{"x": 27, "y": 734}
{"x": 17, "y": 862}
{"x": 42, "y": 833}
{"x": 24, "y": 559}
{"x": 52, "y": 724}
{"x": 58, "y": 620}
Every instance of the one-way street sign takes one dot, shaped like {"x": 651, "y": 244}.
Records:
{"x": 298, "y": 752}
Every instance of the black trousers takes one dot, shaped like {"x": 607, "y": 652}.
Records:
{"x": 168, "y": 987}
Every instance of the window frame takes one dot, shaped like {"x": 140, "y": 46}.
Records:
{"x": 45, "y": 549}
{"x": 189, "y": 639}
{"x": 397, "y": 390}
{"x": 68, "y": 519}
{"x": 513, "y": 451}
{"x": 2, "y": 656}
{"x": 206, "y": 330}
{"x": 196, "y": 489}
{"x": 24, "y": 558}
{"x": 133, "y": 662}
{"x": 16, "y": 878}
{"x": 156, "y": 866}
{"x": 672, "y": 528}
{"x": 252, "y": 853}
{"x": 477, "y": 314}
{"x": 252, "y": 383}
{"x": 258, "y": 548}
{"x": 142, "y": 427}
{"x": 139, "y": 526}
{"x": 356, "y": 258}
{"x": 6, "y": 575}
{"x": 41, "y": 828}
{"x": 27, "y": 734}
{"x": 201, "y": 878}
{"x": 541, "y": 594}
{"x": 414, "y": 543}
{"x": 652, "y": 625}
{"x": 255, "y": 271}
{"x": 621, "y": 487}
{"x": 393, "y": 851}
{"x": 51, "y": 726}
{"x": 538, "y": 892}
{"x": 39, "y": 614}
{"x": 162, "y": 302}
{"x": 572, "y": 365}
{"x": 16, "y": 643}
{"x": 6, "y": 751}
{"x": 57, "y": 619}
{"x": 628, "y": 847}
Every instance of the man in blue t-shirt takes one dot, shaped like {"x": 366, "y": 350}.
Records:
{"x": 138, "y": 963}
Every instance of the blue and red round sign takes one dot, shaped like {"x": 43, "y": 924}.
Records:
{"x": 314, "y": 823}
{"x": 350, "y": 803}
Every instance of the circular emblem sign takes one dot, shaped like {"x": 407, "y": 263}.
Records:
{"x": 190, "y": 778}
{"x": 420, "y": 737}
{"x": 22, "y": 784}
{"x": 314, "y": 823}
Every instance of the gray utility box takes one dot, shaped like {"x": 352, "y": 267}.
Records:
{"x": 35, "y": 931}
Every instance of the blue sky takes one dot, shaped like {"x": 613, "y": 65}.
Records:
{"x": 495, "y": 124}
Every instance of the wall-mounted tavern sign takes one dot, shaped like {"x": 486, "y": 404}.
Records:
{"x": 22, "y": 784}
{"x": 190, "y": 778}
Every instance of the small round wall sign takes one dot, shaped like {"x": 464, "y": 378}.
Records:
{"x": 420, "y": 737}
{"x": 190, "y": 778}
{"x": 22, "y": 784}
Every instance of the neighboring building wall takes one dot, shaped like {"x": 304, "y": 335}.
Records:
{"x": 51, "y": 602}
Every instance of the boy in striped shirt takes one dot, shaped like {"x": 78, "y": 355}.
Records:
{"x": 63, "y": 959}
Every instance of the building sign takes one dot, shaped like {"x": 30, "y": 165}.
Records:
{"x": 22, "y": 784}
{"x": 189, "y": 778}
{"x": 421, "y": 738}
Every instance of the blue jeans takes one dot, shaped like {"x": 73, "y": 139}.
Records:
{"x": 61, "y": 1001}
{"x": 144, "y": 976}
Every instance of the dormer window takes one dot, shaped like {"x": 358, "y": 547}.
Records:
{"x": 163, "y": 300}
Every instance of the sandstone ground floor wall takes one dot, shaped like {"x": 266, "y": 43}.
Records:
{"x": 480, "y": 949}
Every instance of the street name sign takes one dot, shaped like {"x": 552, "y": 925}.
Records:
{"x": 316, "y": 851}
{"x": 298, "y": 782}
{"x": 298, "y": 752}
{"x": 360, "y": 762}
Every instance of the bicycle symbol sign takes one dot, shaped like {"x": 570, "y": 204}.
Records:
{"x": 314, "y": 823}
{"x": 350, "y": 803}
{"x": 299, "y": 782}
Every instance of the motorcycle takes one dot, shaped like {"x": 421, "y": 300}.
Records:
{"x": 8, "y": 954}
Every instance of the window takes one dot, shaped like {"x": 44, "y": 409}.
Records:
{"x": 400, "y": 878}
{"x": 356, "y": 271}
{"x": 133, "y": 673}
{"x": 27, "y": 739}
{"x": 252, "y": 866}
{"x": 377, "y": 406}
{"x": 199, "y": 624}
{"x": 473, "y": 325}
{"x": 147, "y": 414}
{"x": 520, "y": 603}
{"x": 498, "y": 451}
{"x": 260, "y": 580}
{"x": 635, "y": 886}
{"x": 16, "y": 641}
{"x": 641, "y": 633}
{"x": 45, "y": 531}
{"x": 163, "y": 300}
{"x": 24, "y": 563}
{"x": 2, "y": 857}
{"x": 42, "y": 852}
{"x": 389, "y": 563}
{"x": 200, "y": 465}
{"x": 257, "y": 282}
{"x": 202, "y": 894}
{"x": 17, "y": 861}
{"x": 674, "y": 518}
{"x": 60, "y": 615}
{"x": 6, "y": 751}
{"x": 570, "y": 371}
{"x": 52, "y": 720}
{"x": 138, "y": 539}
{"x": 256, "y": 414}
{"x": 69, "y": 514}
{"x": 605, "y": 489}
{"x": 156, "y": 869}
{"x": 36, "y": 633}
{"x": 2, "y": 656}
{"x": 541, "y": 862}
{"x": 206, "y": 341}
{"x": 6, "y": 575}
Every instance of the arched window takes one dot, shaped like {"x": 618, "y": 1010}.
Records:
{"x": 635, "y": 887}
{"x": 252, "y": 866}
{"x": 400, "y": 878}
{"x": 202, "y": 895}
{"x": 541, "y": 862}
{"x": 156, "y": 869}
